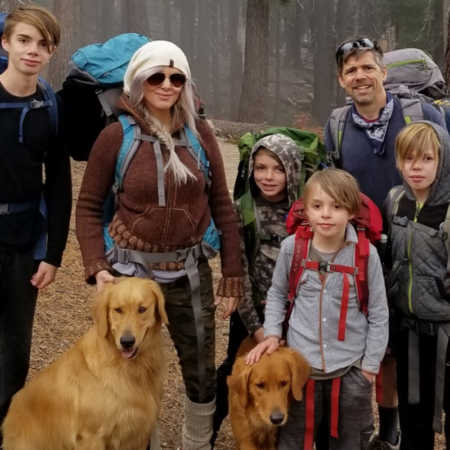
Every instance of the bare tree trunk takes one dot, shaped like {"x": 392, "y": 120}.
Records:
{"x": 254, "y": 90}
{"x": 187, "y": 34}
{"x": 447, "y": 53}
{"x": 137, "y": 18}
{"x": 68, "y": 14}
{"x": 235, "y": 74}
{"x": 277, "y": 50}
{"x": 324, "y": 60}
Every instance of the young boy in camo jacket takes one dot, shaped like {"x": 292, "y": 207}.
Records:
{"x": 274, "y": 169}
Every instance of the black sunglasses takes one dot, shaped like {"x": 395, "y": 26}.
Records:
{"x": 177, "y": 79}
{"x": 348, "y": 46}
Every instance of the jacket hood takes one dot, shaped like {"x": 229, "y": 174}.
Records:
{"x": 440, "y": 189}
{"x": 288, "y": 153}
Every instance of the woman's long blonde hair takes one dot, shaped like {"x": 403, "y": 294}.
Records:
{"x": 182, "y": 112}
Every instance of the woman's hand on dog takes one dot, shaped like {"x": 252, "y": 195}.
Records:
{"x": 269, "y": 345}
{"x": 102, "y": 278}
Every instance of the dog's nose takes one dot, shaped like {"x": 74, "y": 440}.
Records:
{"x": 127, "y": 341}
{"x": 277, "y": 417}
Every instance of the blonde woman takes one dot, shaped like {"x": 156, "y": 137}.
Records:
{"x": 163, "y": 208}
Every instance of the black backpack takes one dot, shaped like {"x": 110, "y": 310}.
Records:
{"x": 92, "y": 88}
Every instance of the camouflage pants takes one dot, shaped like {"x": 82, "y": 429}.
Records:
{"x": 184, "y": 333}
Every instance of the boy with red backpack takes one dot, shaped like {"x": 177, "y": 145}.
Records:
{"x": 341, "y": 332}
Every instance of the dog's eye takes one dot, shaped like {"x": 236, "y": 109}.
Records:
{"x": 142, "y": 309}
{"x": 260, "y": 385}
{"x": 283, "y": 383}
{"x": 118, "y": 310}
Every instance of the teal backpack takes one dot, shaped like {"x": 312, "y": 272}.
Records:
{"x": 132, "y": 138}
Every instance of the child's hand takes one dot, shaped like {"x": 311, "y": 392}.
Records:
{"x": 269, "y": 345}
{"x": 370, "y": 376}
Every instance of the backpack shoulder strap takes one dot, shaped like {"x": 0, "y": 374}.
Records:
{"x": 250, "y": 224}
{"x": 337, "y": 121}
{"x": 132, "y": 137}
{"x": 199, "y": 154}
{"x": 446, "y": 229}
{"x": 392, "y": 201}
{"x": 130, "y": 143}
{"x": 412, "y": 109}
{"x": 50, "y": 99}
{"x": 362, "y": 252}
{"x": 303, "y": 237}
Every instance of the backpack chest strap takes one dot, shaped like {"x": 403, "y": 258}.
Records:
{"x": 325, "y": 266}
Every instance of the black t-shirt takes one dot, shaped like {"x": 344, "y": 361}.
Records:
{"x": 22, "y": 178}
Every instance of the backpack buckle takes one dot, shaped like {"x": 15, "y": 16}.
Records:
{"x": 324, "y": 266}
{"x": 36, "y": 104}
{"x": 4, "y": 209}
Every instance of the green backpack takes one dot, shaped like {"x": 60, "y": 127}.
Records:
{"x": 313, "y": 156}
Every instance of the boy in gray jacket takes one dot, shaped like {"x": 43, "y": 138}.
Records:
{"x": 418, "y": 217}
{"x": 343, "y": 370}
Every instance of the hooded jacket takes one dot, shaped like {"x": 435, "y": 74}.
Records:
{"x": 418, "y": 284}
{"x": 139, "y": 222}
{"x": 263, "y": 226}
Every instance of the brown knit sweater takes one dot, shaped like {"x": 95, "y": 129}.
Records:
{"x": 139, "y": 223}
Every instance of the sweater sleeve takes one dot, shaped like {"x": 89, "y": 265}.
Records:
{"x": 277, "y": 295}
{"x": 246, "y": 308}
{"x": 97, "y": 181}
{"x": 221, "y": 207}
{"x": 58, "y": 197}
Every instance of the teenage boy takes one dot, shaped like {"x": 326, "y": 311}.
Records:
{"x": 33, "y": 212}
{"x": 361, "y": 138}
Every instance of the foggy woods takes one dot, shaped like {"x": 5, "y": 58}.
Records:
{"x": 255, "y": 60}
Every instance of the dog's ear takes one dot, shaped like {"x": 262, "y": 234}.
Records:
{"x": 101, "y": 311}
{"x": 300, "y": 371}
{"x": 238, "y": 381}
{"x": 160, "y": 302}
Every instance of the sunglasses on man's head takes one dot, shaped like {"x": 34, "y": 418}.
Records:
{"x": 177, "y": 79}
{"x": 348, "y": 46}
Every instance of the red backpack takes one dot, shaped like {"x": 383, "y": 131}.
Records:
{"x": 368, "y": 223}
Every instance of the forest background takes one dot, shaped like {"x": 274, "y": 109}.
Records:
{"x": 258, "y": 61}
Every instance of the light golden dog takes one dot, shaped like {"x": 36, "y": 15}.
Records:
{"x": 259, "y": 395}
{"x": 104, "y": 393}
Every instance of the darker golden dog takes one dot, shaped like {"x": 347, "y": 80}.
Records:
{"x": 259, "y": 395}
{"x": 104, "y": 392}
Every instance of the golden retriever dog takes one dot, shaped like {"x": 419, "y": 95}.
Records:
{"x": 259, "y": 395}
{"x": 104, "y": 393}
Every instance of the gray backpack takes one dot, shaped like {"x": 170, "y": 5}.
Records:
{"x": 411, "y": 72}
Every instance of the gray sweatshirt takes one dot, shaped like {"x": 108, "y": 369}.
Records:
{"x": 313, "y": 325}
